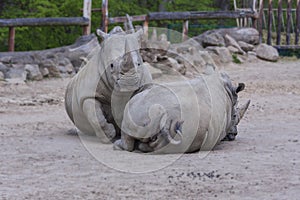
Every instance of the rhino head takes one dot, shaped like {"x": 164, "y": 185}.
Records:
{"x": 124, "y": 69}
{"x": 154, "y": 130}
{"x": 237, "y": 112}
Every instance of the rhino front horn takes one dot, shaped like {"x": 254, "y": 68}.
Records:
{"x": 242, "y": 110}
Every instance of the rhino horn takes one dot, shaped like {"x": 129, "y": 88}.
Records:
{"x": 102, "y": 34}
{"x": 242, "y": 110}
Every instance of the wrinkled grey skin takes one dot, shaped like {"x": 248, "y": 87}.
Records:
{"x": 184, "y": 120}
{"x": 113, "y": 73}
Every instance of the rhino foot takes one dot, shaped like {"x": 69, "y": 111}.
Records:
{"x": 110, "y": 131}
{"x": 118, "y": 145}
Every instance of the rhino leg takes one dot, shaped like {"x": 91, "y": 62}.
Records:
{"x": 125, "y": 143}
{"x": 104, "y": 130}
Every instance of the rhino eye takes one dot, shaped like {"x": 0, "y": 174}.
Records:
{"x": 111, "y": 66}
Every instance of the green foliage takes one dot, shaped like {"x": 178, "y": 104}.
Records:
{"x": 35, "y": 38}
{"x": 235, "y": 59}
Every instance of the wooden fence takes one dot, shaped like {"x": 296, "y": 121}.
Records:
{"x": 276, "y": 23}
{"x": 84, "y": 21}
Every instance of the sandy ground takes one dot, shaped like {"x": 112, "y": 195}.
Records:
{"x": 39, "y": 160}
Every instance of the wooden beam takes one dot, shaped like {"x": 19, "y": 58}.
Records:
{"x": 48, "y": 21}
{"x": 279, "y": 25}
{"x": 135, "y": 18}
{"x": 270, "y": 18}
{"x": 260, "y": 20}
{"x": 297, "y": 23}
{"x": 288, "y": 23}
{"x": 87, "y": 7}
{"x": 200, "y": 15}
{"x": 287, "y": 47}
{"x": 11, "y": 39}
{"x": 105, "y": 16}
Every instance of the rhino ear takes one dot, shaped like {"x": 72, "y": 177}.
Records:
{"x": 241, "y": 87}
{"x": 101, "y": 34}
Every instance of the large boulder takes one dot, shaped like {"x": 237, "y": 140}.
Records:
{"x": 216, "y": 37}
{"x": 210, "y": 38}
{"x": 33, "y": 72}
{"x": 267, "y": 52}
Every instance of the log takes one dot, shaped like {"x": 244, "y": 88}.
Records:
{"x": 104, "y": 16}
{"x": 270, "y": 18}
{"x": 47, "y": 21}
{"x": 260, "y": 20}
{"x": 87, "y": 7}
{"x": 279, "y": 25}
{"x": 288, "y": 23}
{"x": 11, "y": 39}
{"x": 135, "y": 18}
{"x": 200, "y": 15}
{"x": 297, "y": 23}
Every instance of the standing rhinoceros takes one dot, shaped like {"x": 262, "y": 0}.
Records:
{"x": 183, "y": 116}
{"x": 111, "y": 75}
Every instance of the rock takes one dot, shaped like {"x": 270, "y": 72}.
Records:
{"x": 3, "y": 68}
{"x": 17, "y": 73}
{"x": 2, "y": 78}
{"x": 248, "y": 35}
{"x": 231, "y": 42}
{"x": 245, "y": 46}
{"x": 251, "y": 57}
{"x": 44, "y": 71}
{"x": 65, "y": 66}
{"x": 224, "y": 54}
{"x": 52, "y": 68}
{"x": 210, "y": 38}
{"x": 5, "y": 59}
{"x": 267, "y": 52}
{"x": 156, "y": 73}
{"x": 33, "y": 72}
{"x": 233, "y": 49}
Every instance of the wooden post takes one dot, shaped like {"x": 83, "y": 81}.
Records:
{"x": 105, "y": 16}
{"x": 260, "y": 20}
{"x": 146, "y": 27}
{"x": 270, "y": 18}
{"x": 11, "y": 40}
{"x": 87, "y": 10}
{"x": 297, "y": 23}
{"x": 185, "y": 30}
{"x": 288, "y": 23}
{"x": 279, "y": 25}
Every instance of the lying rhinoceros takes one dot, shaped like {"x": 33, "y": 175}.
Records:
{"x": 111, "y": 75}
{"x": 182, "y": 116}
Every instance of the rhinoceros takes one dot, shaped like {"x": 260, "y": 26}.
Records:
{"x": 110, "y": 76}
{"x": 182, "y": 116}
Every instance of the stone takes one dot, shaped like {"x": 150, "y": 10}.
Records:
{"x": 52, "y": 68}
{"x": 248, "y": 35}
{"x": 231, "y": 42}
{"x": 33, "y": 72}
{"x": 3, "y": 68}
{"x": 2, "y": 77}
{"x": 245, "y": 46}
{"x": 44, "y": 71}
{"x": 5, "y": 59}
{"x": 18, "y": 74}
{"x": 267, "y": 52}
{"x": 224, "y": 54}
{"x": 233, "y": 49}
{"x": 210, "y": 38}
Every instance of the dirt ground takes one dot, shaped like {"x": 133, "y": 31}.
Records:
{"x": 40, "y": 160}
